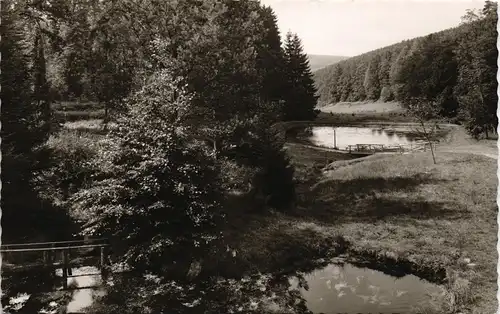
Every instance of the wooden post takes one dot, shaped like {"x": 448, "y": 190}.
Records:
{"x": 334, "y": 138}
{"x": 104, "y": 273}
{"x": 69, "y": 271}
{"x": 53, "y": 254}
{"x": 64, "y": 269}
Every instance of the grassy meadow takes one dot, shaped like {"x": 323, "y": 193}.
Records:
{"x": 365, "y": 107}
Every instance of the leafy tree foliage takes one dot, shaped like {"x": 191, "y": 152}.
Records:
{"x": 476, "y": 87}
{"x": 156, "y": 189}
{"x": 427, "y": 116}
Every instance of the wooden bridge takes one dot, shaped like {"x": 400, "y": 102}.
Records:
{"x": 377, "y": 148}
{"x": 55, "y": 255}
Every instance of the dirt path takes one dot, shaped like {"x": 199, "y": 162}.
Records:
{"x": 460, "y": 142}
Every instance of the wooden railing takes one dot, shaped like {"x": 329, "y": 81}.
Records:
{"x": 374, "y": 148}
{"x": 28, "y": 255}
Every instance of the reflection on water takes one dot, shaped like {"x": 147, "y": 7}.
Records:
{"x": 348, "y": 289}
{"x": 331, "y": 289}
{"x": 324, "y": 136}
{"x": 86, "y": 281}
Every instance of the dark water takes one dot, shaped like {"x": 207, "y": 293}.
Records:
{"x": 348, "y": 289}
{"x": 84, "y": 287}
{"x": 324, "y": 136}
{"x": 332, "y": 289}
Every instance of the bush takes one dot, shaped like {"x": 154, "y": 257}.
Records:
{"x": 70, "y": 167}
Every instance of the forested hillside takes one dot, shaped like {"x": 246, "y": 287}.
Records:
{"x": 454, "y": 69}
{"x": 320, "y": 61}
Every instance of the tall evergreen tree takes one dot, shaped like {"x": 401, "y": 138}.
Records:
{"x": 22, "y": 132}
{"x": 372, "y": 80}
{"x": 41, "y": 90}
{"x": 300, "y": 98}
{"x": 396, "y": 67}
{"x": 270, "y": 59}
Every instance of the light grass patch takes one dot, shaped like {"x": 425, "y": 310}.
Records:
{"x": 84, "y": 124}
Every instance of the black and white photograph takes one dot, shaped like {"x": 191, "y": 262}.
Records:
{"x": 249, "y": 156}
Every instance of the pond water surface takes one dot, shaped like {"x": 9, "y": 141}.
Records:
{"x": 345, "y": 288}
{"x": 86, "y": 282}
{"x": 324, "y": 136}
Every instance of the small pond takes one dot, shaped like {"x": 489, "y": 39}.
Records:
{"x": 324, "y": 136}
{"x": 348, "y": 289}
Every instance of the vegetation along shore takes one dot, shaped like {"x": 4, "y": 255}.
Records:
{"x": 182, "y": 132}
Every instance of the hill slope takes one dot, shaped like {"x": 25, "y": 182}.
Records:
{"x": 453, "y": 71}
{"x": 320, "y": 61}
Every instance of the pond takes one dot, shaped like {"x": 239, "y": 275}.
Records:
{"x": 344, "y": 136}
{"x": 333, "y": 289}
{"x": 346, "y": 289}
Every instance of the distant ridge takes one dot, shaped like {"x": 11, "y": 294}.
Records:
{"x": 320, "y": 61}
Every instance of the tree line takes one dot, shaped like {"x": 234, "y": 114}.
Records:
{"x": 454, "y": 69}
{"x": 172, "y": 75}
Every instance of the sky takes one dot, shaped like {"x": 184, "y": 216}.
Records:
{"x": 352, "y": 27}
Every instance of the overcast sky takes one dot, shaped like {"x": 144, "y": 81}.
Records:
{"x": 352, "y": 27}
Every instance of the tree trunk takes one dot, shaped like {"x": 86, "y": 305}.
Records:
{"x": 432, "y": 152}
{"x": 106, "y": 117}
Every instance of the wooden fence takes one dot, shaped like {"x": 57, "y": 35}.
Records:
{"x": 54, "y": 255}
{"x": 375, "y": 148}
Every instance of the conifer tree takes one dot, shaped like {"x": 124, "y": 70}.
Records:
{"x": 372, "y": 80}
{"x": 300, "y": 98}
{"x": 21, "y": 131}
{"x": 270, "y": 59}
{"x": 41, "y": 94}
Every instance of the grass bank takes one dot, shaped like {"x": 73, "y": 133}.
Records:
{"x": 397, "y": 213}
{"x": 403, "y": 207}
{"x": 363, "y": 107}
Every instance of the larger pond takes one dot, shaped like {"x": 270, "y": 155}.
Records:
{"x": 336, "y": 288}
{"x": 346, "y": 289}
{"x": 342, "y": 137}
